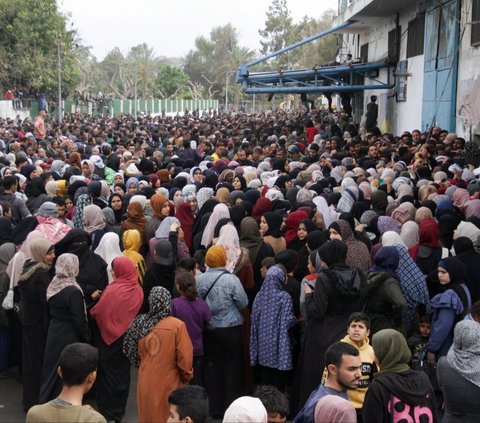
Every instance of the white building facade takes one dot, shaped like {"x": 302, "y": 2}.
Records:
{"x": 433, "y": 48}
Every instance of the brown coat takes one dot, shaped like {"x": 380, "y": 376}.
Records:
{"x": 166, "y": 356}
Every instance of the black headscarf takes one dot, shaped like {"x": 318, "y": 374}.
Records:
{"x": 333, "y": 252}
{"x": 93, "y": 269}
{"x": 23, "y": 228}
{"x": 5, "y": 230}
{"x": 455, "y": 268}
{"x": 118, "y": 213}
{"x": 447, "y": 224}
{"x": 316, "y": 239}
{"x": 206, "y": 208}
{"x": 274, "y": 222}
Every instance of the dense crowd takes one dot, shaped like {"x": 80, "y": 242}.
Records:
{"x": 234, "y": 252}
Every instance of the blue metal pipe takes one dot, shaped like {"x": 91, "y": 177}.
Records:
{"x": 298, "y": 44}
{"x": 319, "y": 89}
{"x": 311, "y": 73}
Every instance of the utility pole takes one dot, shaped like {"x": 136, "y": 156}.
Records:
{"x": 226, "y": 91}
{"x": 59, "y": 83}
{"x": 136, "y": 72}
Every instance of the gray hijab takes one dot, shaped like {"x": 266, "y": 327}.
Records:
{"x": 464, "y": 354}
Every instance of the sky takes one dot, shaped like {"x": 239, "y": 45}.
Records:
{"x": 170, "y": 27}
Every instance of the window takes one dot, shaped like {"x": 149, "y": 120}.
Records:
{"x": 394, "y": 44}
{"x": 475, "y": 37}
{"x": 364, "y": 53}
{"x": 416, "y": 35}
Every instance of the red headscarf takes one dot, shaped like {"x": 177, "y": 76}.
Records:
{"x": 186, "y": 217}
{"x": 293, "y": 221}
{"x": 120, "y": 302}
{"x": 429, "y": 236}
{"x": 262, "y": 206}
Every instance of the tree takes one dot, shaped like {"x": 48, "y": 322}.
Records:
{"x": 171, "y": 81}
{"x": 208, "y": 62}
{"x": 141, "y": 59}
{"x": 31, "y": 31}
{"x": 278, "y": 32}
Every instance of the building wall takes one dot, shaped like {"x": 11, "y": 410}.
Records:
{"x": 393, "y": 116}
{"x": 468, "y": 85}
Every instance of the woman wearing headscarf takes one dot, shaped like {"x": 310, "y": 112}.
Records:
{"x": 82, "y": 201}
{"x": 412, "y": 281}
{"x": 465, "y": 252}
{"x": 186, "y": 218}
{"x": 272, "y": 318}
{"x": 37, "y": 194}
{"x": 136, "y": 221}
{"x": 357, "y": 252}
{"x": 161, "y": 209}
{"x": 68, "y": 321}
{"x": 379, "y": 202}
{"x": 447, "y": 225}
{"x": 108, "y": 249}
{"x": 262, "y": 206}
{"x": 164, "y": 231}
{"x": 334, "y": 409}
{"x": 203, "y": 195}
{"x": 223, "y": 196}
{"x": 7, "y": 252}
{"x": 293, "y": 222}
{"x": 428, "y": 251}
{"x": 132, "y": 243}
{"x": 314, "y": 240}
{"x": 159, "y": 374}
{"x": 270, "y": 224}
{"x": 386, "y": 304}
{"x": 396, "y": 387}
{"x": 220, "y": 211}
{"x": 409, "y": 234}
{"x": 32, "y": 285}
{"x": 329, "y": 215}
{"x": 339, "y": 291}
{"x": 257, "y": 248}
{"x": 448, "y": 307}
{"x": 469, "y": 230}
{"x": 224, "y": 294}
{"x": 92, "y": 277}
{"x": 94, "y": 224}
{"x": 6, "y": 230}
{"x": 423, "y": 213}
{"x": 305, "y": 227}
{"x": 117, "y": 308}
{"x": 459, "y": 374}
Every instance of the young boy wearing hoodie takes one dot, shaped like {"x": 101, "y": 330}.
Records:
{"x": 358, "y": 330}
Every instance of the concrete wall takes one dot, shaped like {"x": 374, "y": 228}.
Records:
{"x": 468, "y": 86}
{"x": 7, "y": 111}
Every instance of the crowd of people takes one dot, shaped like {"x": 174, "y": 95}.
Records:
{"x": 271, "y": 266}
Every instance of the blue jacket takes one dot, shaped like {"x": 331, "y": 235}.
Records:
{"x": 226, "y": 299}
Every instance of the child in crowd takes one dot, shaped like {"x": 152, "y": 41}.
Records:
{"x": 196, "y": 315}
{"x": 309, "y": 280}
{"x": 418, "y": 346}
{"x": 358, "y": 330}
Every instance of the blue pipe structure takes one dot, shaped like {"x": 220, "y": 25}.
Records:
{"x": 318, "y": 79}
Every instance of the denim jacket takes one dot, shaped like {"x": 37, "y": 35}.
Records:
{"x": 226, "y": 299}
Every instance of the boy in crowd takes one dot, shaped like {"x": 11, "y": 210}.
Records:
{"x": 275, "y": 402}
{"x": 358, "y": 330}
{"x": 188, "y": 404}
{"x": 78, "y": 370}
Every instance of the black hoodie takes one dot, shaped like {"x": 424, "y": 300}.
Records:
{"x": 411, "y": 394}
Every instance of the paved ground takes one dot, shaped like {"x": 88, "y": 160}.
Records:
{"x": 11, "y": 400}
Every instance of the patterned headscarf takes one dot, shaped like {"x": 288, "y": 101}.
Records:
{"x": 203, "y": 195}
{"x": 159, "y": 302}
{"x": 66, "y": 270}
{"x": 272, "y": 316}
{"x": 464, "y": 354}
{"x": 82, "y": 202}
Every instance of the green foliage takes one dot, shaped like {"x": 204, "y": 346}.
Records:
{"x": 30, "y": 32}
{"x": 171, "y": 82}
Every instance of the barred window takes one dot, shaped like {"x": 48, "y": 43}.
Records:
{"x": 416, "y": 36}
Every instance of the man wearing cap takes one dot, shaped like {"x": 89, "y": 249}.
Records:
{"x": 39, "y": 130}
